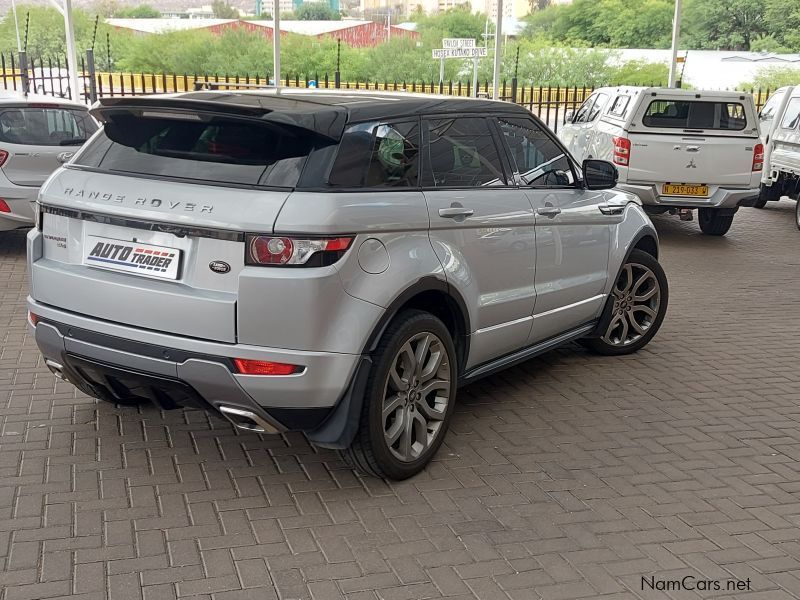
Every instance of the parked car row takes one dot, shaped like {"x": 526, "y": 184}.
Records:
{"x": 339, "y": 263}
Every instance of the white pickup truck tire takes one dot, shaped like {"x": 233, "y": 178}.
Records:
{"x": 713, "y": 222}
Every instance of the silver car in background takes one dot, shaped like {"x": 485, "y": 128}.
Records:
{"x": 37, "y": 135}
{"x": 331, "y": 263}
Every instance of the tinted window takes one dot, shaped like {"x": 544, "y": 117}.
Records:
{"x": 538, "y": 159}
{"x": 377, "y": 155}
{"x": 792, "y": 114}
{"x": 597, "y": 107}
{"x": 690, "y": 114}
{"x": 213, "y": 149}
{"x": 45, "y": 126}
{"x": 620, "y": 106}
{"x": 462, "y": 153}
{"x": 583, "y": 112}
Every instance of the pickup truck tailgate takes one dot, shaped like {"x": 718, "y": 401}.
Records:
{"x": 677, "y": 158}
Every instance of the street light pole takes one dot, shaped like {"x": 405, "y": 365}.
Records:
{"x": 276, "y": 43}
{"x": 498, "y": 40}
{"x": 16, "y": 24}
{"x": 676, "y": 34}
{"x": 72, "y": 55}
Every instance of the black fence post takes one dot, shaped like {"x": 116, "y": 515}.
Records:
{"x": 23, "y": 67}
{"x": 337, "y": 75}
{"x": 92, "y": 75}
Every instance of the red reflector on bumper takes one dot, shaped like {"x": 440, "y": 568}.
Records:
{"x": 33, "y": 318}
{"x": 246, "y": 366}
{"x": 4, "y": 207}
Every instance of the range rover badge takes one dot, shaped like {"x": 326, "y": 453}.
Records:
{"x": 219, "y": 266}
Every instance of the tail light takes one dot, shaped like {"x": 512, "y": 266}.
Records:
{"x": 266, "y": 250}
{"x": 246, "y": 366}
{"x": 758, "y": 157}
{"x": 622, "y": 151}
{"x": 3, "y": 157}
{"x": 4, "y": 207}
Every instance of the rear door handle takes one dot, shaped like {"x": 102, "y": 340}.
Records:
{"x": 548, "y": 211}
{"x": 455, "y": 211}
{"x": 611, "y": 209}
{"x": 693, "y": 148}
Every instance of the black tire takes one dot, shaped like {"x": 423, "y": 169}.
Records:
{"x": 370, "y": 452}
{"x": 601, "y": 345}
{"x": 760, "y": 203}
{"x": 797, "y": 214}
{"x": 712, "y": 222}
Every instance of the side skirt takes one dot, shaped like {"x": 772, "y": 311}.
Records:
{"x": 527, "y": 353}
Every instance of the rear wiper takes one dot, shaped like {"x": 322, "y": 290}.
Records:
{"x": 72, "y": 142}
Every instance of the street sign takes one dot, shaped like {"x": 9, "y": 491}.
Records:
{"x": 459, "y": 52}
{"x": 458, "y": 43}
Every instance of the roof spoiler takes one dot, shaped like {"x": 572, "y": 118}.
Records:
{"x": 327, "y": 122}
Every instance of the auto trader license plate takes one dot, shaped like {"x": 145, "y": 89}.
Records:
{"x": 131, "y": 257}
{"x": 679, "y": 189}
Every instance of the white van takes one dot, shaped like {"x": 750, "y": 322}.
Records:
{"x": 781, "y": 176}
{"x": 677, "y": 150}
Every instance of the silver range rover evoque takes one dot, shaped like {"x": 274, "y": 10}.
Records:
{"x": 331, "y": 263}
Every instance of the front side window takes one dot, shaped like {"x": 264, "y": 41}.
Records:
{"x": 792, "y": 115}
{"x": 538, "y": 159}
{"x": 45, "y": 126}
{"x": 695, "y": 114}
{"x": 377, "y": 155}
{"x": 768, "y": 112}
{"x": 462, "y": 153}
{"x": 597, "y": 107}
{"x": 582, "y": 116}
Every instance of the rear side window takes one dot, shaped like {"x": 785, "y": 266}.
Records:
{"x": 695, "y": 114}
{"x": 620, "y": 106}
{"x": 792, "y": 114}
{"x": 462, "y": 153}
{"x": 377, "y": 155}
{"x": 206, "y": 149}
{"x": 45, "y": 126}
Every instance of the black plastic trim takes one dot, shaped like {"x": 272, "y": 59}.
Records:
{"x": 178, "y": 230}
{"x": 134, "y": 347}
{"x": 518, "y": 356}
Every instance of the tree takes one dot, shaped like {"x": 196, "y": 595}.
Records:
{"x": 143, "y": 11}
{"x": 724, "y": 24}
{"x": 772, "y": 78}
{"x": 223, "y": 10}
{"x": 316, "y": 11}
{"x": 458, "y": 22}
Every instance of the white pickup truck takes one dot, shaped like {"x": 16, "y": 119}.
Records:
{"x": 780, "y": 118}
{"x": 677, "y": 150}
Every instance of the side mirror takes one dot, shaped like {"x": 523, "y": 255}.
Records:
{"x": 569, "y": 116}
{"x": 599, "y": 174}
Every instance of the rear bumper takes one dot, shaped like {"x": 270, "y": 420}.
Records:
{"x": 721, "y": 198}
{"x": 21, "y": 201}
{"x": 120, "y": 363}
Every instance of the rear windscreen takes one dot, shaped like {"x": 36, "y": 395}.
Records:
{"x": 207, "y": 149}
{"x": 695, "y": 114}
{"x": 45, "y": 126}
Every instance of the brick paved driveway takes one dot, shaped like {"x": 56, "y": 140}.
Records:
{"x": 568, "y": 477}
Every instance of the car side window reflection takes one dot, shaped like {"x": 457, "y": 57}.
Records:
{"x": 538, "y": 159}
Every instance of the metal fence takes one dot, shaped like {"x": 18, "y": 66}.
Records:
{"x": 50, "y": 77}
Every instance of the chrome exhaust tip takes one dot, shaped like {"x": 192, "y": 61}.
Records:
{"x": 55, "y": 368}
{"x": 246, "y": 420}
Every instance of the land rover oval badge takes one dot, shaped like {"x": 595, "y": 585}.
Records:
{"x": 219, "y": 266}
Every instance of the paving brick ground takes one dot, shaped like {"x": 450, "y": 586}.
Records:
{"x": 570, "y": 476}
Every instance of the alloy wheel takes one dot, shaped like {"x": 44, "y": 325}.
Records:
{"x": 416, "y": 394}
{"x": 637, "y": 298}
